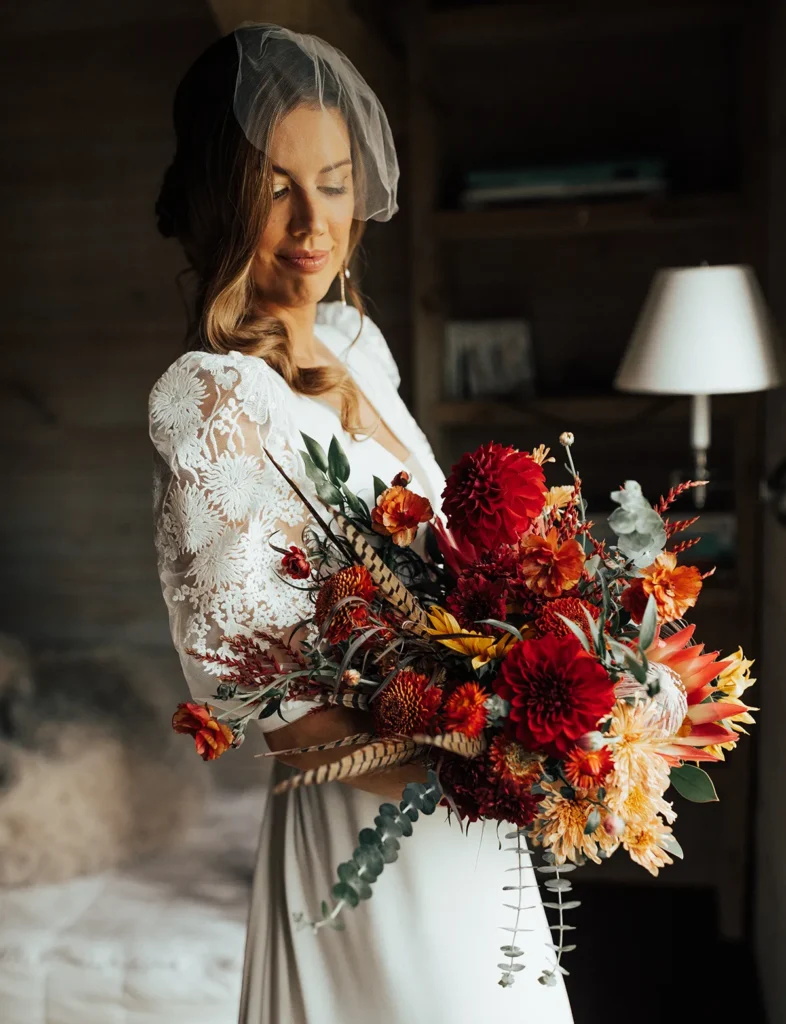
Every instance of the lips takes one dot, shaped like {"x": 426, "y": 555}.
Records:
{"x": 307, "y": 261}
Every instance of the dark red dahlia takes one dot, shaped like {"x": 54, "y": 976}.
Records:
{"x": 492, "y": 496}
{"x": 557, "y": 693}
{"x": 503, "y": 802}
{"x": 462, "y": 779}
{"x": 475, "y": 598}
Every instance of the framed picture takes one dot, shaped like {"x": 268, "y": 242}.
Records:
{"x": 488, "y": 359}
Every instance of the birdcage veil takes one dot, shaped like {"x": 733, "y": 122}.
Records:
{"x": 279, "y": 70}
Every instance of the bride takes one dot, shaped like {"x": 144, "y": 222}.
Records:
{"x": 283, "y": 152}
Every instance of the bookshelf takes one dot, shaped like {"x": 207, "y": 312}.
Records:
{"x": 496, "y": 85}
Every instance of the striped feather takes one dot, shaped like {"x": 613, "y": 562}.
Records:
{"x": 454, "y": 743}
{"x": 345, "y": 741}
{"x": 374, "y": 757}
{"x": 390, "y": 586}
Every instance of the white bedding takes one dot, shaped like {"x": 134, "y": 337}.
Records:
{"x": 160, "y": 943}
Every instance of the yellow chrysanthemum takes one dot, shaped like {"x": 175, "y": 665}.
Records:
{"x": 558, "y": 497}
{"x": 647, "y": 844}
{"x": 735, "y": 679}
{"x": 541, "y": 455}
{"x": 482, "y": 649}
{"x": 560, "y": 824}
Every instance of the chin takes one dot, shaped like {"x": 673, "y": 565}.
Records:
{"x": 304, "y": 290}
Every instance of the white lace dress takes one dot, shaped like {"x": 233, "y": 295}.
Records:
{"x": 424, "y": 949}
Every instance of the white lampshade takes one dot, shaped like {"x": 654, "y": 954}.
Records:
{"x": 702, "y": 331}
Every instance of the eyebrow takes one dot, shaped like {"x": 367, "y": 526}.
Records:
{"x": 325, "y": 170}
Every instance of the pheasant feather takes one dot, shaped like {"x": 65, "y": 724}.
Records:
{"x": 454, "y": 743}
{"x": 345, "y": 741}
{"x": 373, "y": 757}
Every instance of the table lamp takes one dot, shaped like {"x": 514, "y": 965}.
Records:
{"x": 702, "y": 331}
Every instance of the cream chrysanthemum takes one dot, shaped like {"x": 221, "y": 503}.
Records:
{"x": 647, "y": 844}
{"x": 638, "y": 766}
{"x": 560, "y": 824}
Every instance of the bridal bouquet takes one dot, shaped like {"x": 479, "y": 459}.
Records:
{"x": 547, "y": 679}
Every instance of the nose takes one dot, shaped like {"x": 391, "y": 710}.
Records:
{"x": 307, "y": 218}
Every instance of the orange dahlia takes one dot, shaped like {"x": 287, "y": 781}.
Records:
{"x": 398, "y": 513}
{"x": 572, "y": 608}
{"x": 586, "y": 769}
{"x": 211, "y": 737}
{"x": 465, "y": 711}
{"x": 407, "y": 704}
{"x": 513, "y": 763}
{"x": 548, "y": 567}
{"x": 354, "y": 581}
{"x": 675, "y": 588}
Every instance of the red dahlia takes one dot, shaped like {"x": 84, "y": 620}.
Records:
{"x": 462, "y": 779}
{"x": 492, "y": 496}
{"x": 557, "y": 692}
{"x": 407, "y": 705}
{"x": 475, "y": 598}
{"x": 503, "y": 802}
{"x": 354, "y": 581}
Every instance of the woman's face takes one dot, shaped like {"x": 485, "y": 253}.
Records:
{"x": 304, "y": 243}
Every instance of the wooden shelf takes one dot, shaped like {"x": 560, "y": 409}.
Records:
{"x": 573, "y": 413}
{"x": 505, "y": 24}
{"x": 656, "y": 214}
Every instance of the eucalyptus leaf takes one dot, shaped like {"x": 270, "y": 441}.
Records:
{"x": 316, "y": 451}
{"x": 694, "y": 784}
{"x": 338, "y": 463}
{"x": 593, "y": 822}
{"x": 342, "y": 891}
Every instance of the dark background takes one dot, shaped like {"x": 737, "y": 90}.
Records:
{"x": 92, "y": 315}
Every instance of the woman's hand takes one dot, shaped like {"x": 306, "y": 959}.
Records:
{"x": 334, "y": 724}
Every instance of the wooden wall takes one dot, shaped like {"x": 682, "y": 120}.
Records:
{"x": 91, "y": 314}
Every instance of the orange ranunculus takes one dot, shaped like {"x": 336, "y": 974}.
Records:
{"x": 675, "y": 587}
{"x": 211, "y": 737}
{"x": 465, "y": 711}
{"x": 398, "y": 513}
{"x": 548, "y": 567}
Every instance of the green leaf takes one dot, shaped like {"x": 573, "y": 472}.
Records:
{"x": 694, "y": 784}
{"x": 649, "y": 623}
{"x": 338, "y": 463}
{"x": 328, "y": 493}
{"x": 502, "y": 625}
{"x": 358, "y": 506}
{"x": 342, "y": 891}
{"x": 591, "y": 566}
{"x": 579, "y": 633}
{"x": 312, "y": 472}
{"x": 593, "y": 822}
{"x": 316, "y": 451}
{"x": 673, "y": 847}
{"x": 379, "y": 487}
{"x": 636, "y": 669}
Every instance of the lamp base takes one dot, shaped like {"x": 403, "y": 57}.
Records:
{"x": 701, "y": 473}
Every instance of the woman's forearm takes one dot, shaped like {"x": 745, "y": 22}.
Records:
{"x": 326, "y": 726}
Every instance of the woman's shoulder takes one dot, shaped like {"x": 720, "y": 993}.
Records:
{"x": 361, "y": 334}
{"x": 198, "y": 382}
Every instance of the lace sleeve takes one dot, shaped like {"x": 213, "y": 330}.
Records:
{"x": 218, "y": 505}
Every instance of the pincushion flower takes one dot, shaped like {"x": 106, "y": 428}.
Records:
{"x": 398, "y": 513}
{"x": 295, "y": 563}
{"x": 211, "y": 737}
{"x": 548, "y": 567}
{"x": 556, "y": 690}
{"x": 492, "y": 495}
{"x": 482, "y": 649}
{"x": 353, "y": 582}
{"x": 407, "y": 705}
{"x": 464, "y": 710}
{"x": 675, "y": 588}
{"x": 572, "y": 608}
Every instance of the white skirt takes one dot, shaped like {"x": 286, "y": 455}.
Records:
{"x": 423, "y": 950}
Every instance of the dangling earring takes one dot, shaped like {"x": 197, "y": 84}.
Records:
{"x": 343, "y": 277}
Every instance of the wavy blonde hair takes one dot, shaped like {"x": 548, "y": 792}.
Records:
{"x": 215, "y": 199}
